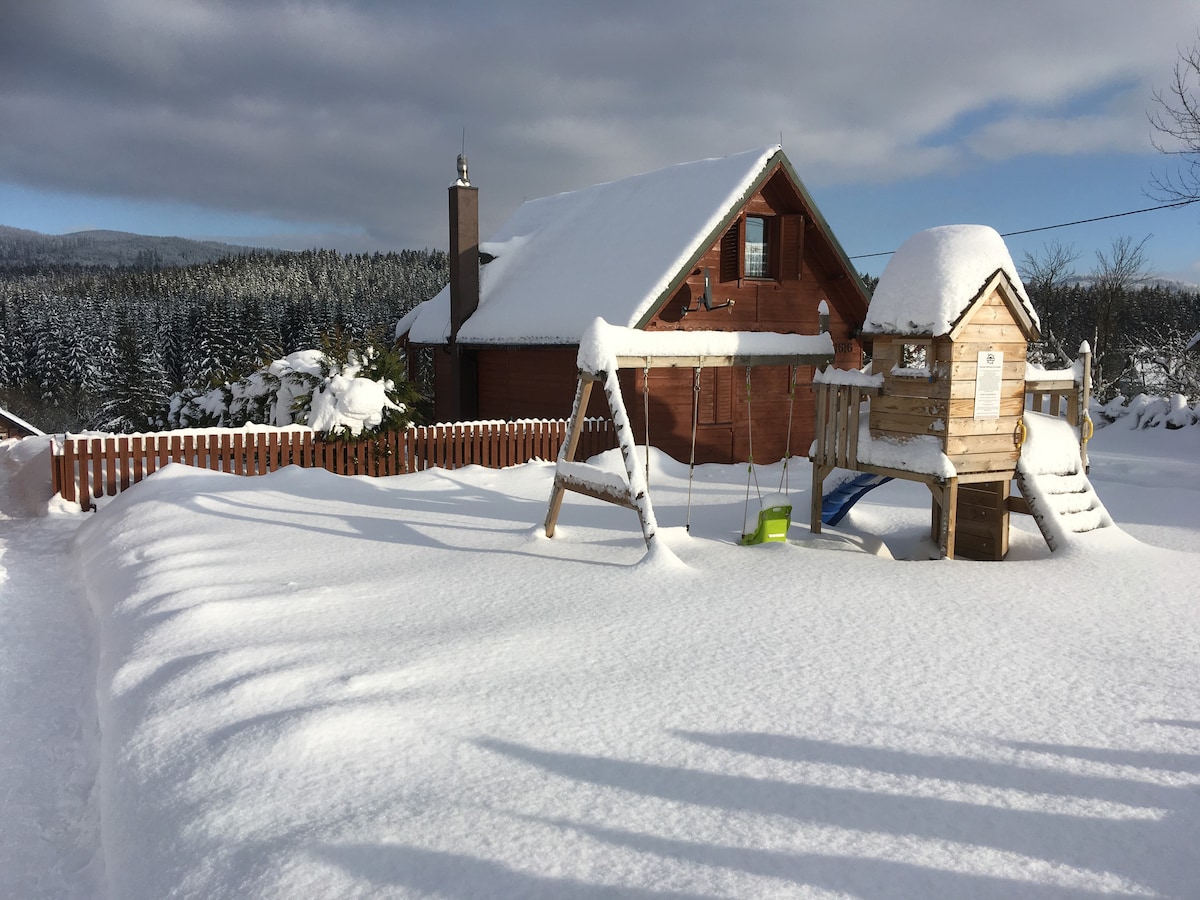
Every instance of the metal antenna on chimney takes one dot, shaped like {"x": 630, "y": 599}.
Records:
{"x": 462, "y": 161}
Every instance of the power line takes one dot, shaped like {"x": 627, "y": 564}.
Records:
{"x": 1132, "y": 212}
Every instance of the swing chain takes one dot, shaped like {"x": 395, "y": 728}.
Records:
{"x": 695, "y": 420}
{"x": 646, "y": 414}
{"x": 750, "y": 473}
{"x": 784, "y": 485}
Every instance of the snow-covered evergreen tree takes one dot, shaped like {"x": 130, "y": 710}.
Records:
{"x": 135, "y": 395}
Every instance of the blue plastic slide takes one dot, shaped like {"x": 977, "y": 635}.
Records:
{"x": 837, "y": 502}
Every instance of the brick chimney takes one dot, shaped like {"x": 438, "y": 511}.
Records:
{"x": 464, "y": 292}
{"x": 464, "y": 249}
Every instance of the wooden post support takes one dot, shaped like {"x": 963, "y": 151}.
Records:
{"x": 819, "y": 474}
{"x": 1085, "y": 400}
{"x": 949, "y": 520}
{"x": 944, "y": 517}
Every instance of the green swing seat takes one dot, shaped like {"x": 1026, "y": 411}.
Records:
{"x": 774, "y": 520}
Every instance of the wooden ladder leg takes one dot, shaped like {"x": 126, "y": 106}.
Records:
{"x": 583, "y": 392}
{"x": 556, "y": 499}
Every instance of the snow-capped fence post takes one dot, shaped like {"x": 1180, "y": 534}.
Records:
{"x": 62, "y": 469}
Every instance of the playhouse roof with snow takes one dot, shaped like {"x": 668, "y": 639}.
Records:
{"x": 937, "y": 276}
{"x": 616, "y": 249}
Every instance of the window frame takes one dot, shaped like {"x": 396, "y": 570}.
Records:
{"x": 919, "y": 346}
{"x": 764, "y": 269}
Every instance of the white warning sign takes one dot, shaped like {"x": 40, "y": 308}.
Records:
{"x": 988, "y": 379}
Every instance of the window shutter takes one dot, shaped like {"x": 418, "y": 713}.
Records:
{"x": 731, "y": 252}
{"x": 716, "y": 396}
{"x": 791, "y": 247}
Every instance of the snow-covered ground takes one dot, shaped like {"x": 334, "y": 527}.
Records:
{"x": 48, "y": 826}
{"x": 318, "y": 686}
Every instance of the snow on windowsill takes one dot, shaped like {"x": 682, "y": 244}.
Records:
{"x": 922, "y": 372}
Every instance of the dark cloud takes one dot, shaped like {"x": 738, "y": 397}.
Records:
{"x": 349, "y": 115}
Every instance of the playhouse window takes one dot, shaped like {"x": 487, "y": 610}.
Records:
{"x": 757, "y": 261}
{"x": 915, "y": 359}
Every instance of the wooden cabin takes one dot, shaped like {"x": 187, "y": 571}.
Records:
{"x": 730, "y": 244}
{"x": 13, "y": 426}
{"x": 948, "y": 327}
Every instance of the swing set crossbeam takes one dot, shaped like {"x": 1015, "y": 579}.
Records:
{"x": 723, "y": 361}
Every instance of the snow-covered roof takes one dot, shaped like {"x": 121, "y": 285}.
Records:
{"x": 935, "y": 276}
{"x": 610, "y": 250}
{"x": 20, "y": 423}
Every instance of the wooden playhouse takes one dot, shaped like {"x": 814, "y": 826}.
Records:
{"x": 948, "y": 328}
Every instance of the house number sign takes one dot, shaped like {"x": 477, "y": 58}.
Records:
{"x": 987, "y": 384}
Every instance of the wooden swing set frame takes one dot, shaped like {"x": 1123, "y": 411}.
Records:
{"x": 591, "y": 481}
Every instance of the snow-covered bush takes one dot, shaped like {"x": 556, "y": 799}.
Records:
{"x": 366, "y": 393}
{"x": 342, "y": 392}
{"x": 1147, "y": 411}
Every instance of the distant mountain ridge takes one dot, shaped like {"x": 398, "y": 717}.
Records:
{"x": 1150, "y": 281}
{"x": 20, "y": 247}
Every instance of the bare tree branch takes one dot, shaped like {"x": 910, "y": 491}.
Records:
{"x": 1050, "y": 268}
{"x": 1113, "y": 279}
{"x": 1043, "y": 274}
{"x": 1177, "y": 122}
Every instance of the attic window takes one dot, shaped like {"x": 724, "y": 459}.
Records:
{"x": 758, "y": 256}
{"x": 763, "y": 247}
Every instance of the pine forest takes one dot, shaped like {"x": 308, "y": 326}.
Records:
{"x": 95, "y": 347}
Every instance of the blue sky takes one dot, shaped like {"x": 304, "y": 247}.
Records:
{"x": 299, "y": 124}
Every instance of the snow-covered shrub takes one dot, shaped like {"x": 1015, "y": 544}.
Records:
{"x": 363, "y": 391}
{"x": 1107, "y": 413}
{"x": 1147, "y": 411}
{"x": 363, "y": 394}
{"x": 1177, "y": 415}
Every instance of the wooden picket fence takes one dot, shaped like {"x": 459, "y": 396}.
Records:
{"x": 89, "y": 466}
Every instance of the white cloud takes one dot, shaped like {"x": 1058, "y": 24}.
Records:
{"x": 1016, "y": 136}
{"x": 350, "y": 114}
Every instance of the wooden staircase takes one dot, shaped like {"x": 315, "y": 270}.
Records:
{"x": 1054, "y": 484}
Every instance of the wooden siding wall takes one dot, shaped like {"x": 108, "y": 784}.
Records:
{"x": 944, "y": 406}
{"x": 536, "y": 382}
{"x": 726, "y": 436}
